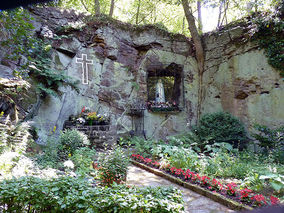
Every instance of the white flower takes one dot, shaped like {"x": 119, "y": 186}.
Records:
{"x": 69, "y": 164}
{"x": 81, "y": 120}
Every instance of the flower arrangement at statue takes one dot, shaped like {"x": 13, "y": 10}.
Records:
{"x": 154, "y": 106}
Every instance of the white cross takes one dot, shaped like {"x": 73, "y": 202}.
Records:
{"x": 84, "y": 61}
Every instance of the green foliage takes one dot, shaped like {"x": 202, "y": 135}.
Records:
{"x": 69, "y": 141}
{"x": 185, "y": 158}
{"x": 67, "y": 194}
{"x": 271, "y": 140}
{"x": 187, "y": 139}
{"x": 20, "y": 40}
{"x": 224, "y": 164}
{"x": 276, "y": 181}
{"x": 72, "y": 144}
{"x": 253, "y": 182}
{"x": 48, "y": 80}
{"x": 220, "y": 127}
{"x": 49, "y": 157}
{"x": 113, "y": 165}
{"x": 18, "y": 32}
{"x": 143, "y": 146}
{"x": 270, "y": 37}
{"x": 83, "y": 159}
{"x": 264, "y": 180}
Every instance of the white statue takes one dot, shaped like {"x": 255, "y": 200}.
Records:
{"x": 160, "y": 93}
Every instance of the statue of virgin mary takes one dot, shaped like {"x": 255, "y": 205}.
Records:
{"x": 160, "y": 93}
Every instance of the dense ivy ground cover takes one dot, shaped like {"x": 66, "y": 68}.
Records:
{"x": 68, "y": 194}
{"x": 86, "y": 181}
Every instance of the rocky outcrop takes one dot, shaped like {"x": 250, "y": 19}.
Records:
{"x": 238, "y": 79}
{"x": 121, "y": 57}
{"x": 237, "y": 76}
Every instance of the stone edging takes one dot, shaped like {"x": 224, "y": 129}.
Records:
{"x": 213, "y": 196}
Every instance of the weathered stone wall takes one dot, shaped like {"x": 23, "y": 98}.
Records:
{"x": 237, "y": 76}
{"x": 121, "y": 57}
{"x": 239, "y": 80}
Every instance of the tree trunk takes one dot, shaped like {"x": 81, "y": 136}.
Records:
{"x": 183, "y": 20}
{"x": 199, "y": 16}
{"x": 83, "y": 3}
{"x": 256, "y": 6}
{"x": 198, "y": 47}
{"x": 220, "y": 14}
{"x": 111, "y": 8}
{"x": 138, "y": 11}
{"x": 97, "y": 7}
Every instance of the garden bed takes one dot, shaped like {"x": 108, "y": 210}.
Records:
{"x": 214, "y": 196}
{"x": 228, "y": 195}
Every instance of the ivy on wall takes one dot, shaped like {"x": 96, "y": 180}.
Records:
{"x": 270, "y": 36}
{"x": 18, "y": 41}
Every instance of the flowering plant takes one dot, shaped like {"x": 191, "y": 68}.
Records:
{"x": 215, "y": 185}
{"x": 204, "y": 180}
{"x": 88, "y": 117}
{"x": 258, "y": 200}
{"x": 231, "y": 189}
{"x": 245, "y": 195}
{"x": 156, "y": 164}
{"x": 162, "y": 106}
{"x": 113, "y": 166}
{"x": 274, "y": 200}
{"x": 92, "y": 116}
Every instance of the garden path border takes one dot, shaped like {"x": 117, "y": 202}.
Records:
{"x": 213, "y": 196}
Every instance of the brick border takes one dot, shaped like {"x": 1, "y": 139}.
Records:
{"x": 213, "y": 196}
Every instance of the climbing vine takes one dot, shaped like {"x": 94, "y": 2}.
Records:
{"x": 19, "y": 40}
{"x": 31, "y": 55}
{"x": 270, "y": 36}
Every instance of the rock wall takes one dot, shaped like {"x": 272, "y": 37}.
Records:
{"x": 118, "y": 76}
{"x": 237, "y": 76}
{"x": 239, "y": 80}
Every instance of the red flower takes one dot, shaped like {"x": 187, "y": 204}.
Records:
{"x": 205, "y": 180}
{"x": 259, "y": 200}
{"x": 245, "y": 193}
{"x": 173, "y": 169}
{"x": 83, "y": 109}
{"x": 231, "y": 189}
{"x": 274, "y": 200}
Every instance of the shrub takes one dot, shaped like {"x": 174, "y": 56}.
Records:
{"x": 221, "y": 127}
{"x": 83, "y": 158}
{"x": 69, "y": 141}
{"x": 185, "y": 140}
{"x": 143, "y": 146}
{"x": 67, "y": 194}
{"x": 49, "y": 158}
{"x": 113, "y": 165}
{"x": 271, "y": 140}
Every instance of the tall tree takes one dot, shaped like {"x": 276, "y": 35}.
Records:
{"x": 97, "y": 7}
{"x": 85, "y": 6}
{"x": 138, "y": 11}
{"x": 199, "y": 15}
{"x": 111, "y": 8}
{"x": 198, "y": 47}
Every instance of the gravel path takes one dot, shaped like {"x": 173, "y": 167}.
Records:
{"x": 194, "y": 203}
